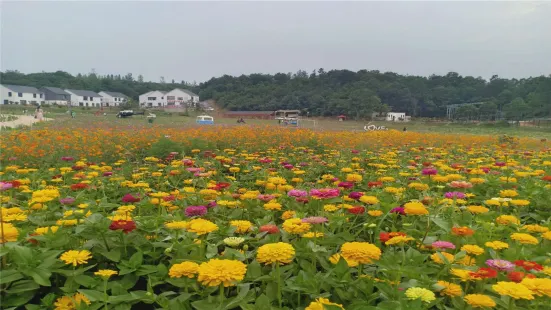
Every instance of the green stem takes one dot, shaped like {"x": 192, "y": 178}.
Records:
{"x": 105, "y": 293}
{"x": 278, "y": 275}
{"x": 221, "y": 295}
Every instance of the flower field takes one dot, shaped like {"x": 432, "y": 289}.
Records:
{"x": 270, "y": 218}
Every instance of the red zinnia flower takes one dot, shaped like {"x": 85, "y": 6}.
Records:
{"x": 484, "y": 273}
{"x": 169, "y": 198}
{"x": 528, "y": 265}
{"x": 14, "y": 183}
{"x": 547, "y": 178}
{"x": 518, "y": 276}
{"x": 130, "y": 198}
{"x": 374, "y": 184}
{"x": 76, "y": 168}
{"x": 78, "y": 186}
{"x": 384, "y": 236}
{"x": 269, "y": 228}
{"x": 125, "y": 226}
{"x": 462, "y": 231}
{"x": 357, "y": 210}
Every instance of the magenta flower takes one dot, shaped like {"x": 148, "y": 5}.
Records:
{"x": 346, "y": 184}
{"x": 288, "y": 166}
{"x": 457, "y": 195}
{"x": 193, "y": 170}
{"x": 400, "y": 210}
{"x": 297, "y": 193}
{"x": 355, "y": 195}
{"x": 67, "y": 158}
{"x": 266, "y": 198}
{"x": 325, "y": 193}
{"x": 443, "y": 245}
{"x": 67, "y": 200}
{"x": 500, "y": 264}
{"x": 4, "y": 186}
{"x": 499, "y": 164}
{"x": 195, "y": 211}
{"x": 212, "y": 204}
{"x": 429, "y": 171}
{"x": 107, "y": 173}
{"x": 315, "y": 220}
{"x": 129, "y": 198}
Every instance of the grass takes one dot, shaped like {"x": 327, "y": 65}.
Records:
{"x": 87, "y": 118}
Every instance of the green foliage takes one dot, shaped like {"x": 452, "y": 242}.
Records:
{"x": 330, "y": 93}
{"x": 163, "y": 147}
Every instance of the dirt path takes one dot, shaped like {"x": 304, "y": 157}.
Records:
{"x": 22, "y": 120}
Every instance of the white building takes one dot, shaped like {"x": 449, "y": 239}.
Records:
{"x": 16, "y": 94}
{"x": 112, "y": 99}
{"x": 173, "y": 98}
{"x": 180, "y": 97}
{"x": 155, "y": 98}
{"x": 56, "y": 96}
{"x": 396, "y": 117}
{"x": 84, "y": 98}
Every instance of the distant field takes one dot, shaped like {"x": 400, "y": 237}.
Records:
{"x": 88, "y": 118}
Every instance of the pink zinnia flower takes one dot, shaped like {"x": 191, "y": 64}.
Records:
{"x": 325, "y": 193}
{"x": 345, "y": 184}
{"x": 193, "y": 170}
{"x": 460, "y": 184}
{"x": 107, "y": 173}
{"x": 129, "y": 198}
{"x": 500, "y": 264}
{"x": 265, "y": 198}
{"x": 443, "y": 245}
{"x": 429, "y": 171}
{"x": 355, "y": 195}
{"x": 195, "y": 211}
{"x": 315, "y": 220}
{"x": 297, "y": 193}
{"x": 4, "y": 186}
{"x": 457, "y": 195}
{"x": 67, "y": 158}
{"x": 67, "y": 200}
{"x": 400, "y": 210}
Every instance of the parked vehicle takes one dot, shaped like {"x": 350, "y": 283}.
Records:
{"x": 205, "y": 120}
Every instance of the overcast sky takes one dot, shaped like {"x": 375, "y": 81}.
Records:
{"x": 198, "y": 40}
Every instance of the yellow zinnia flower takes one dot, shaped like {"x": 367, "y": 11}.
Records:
{"x": 184, "y": 269}
{"x": 319, "y": 304}
{"x": 105, "y": 273}
{"x": 361, "y": 252}
{"x": 512, "y": 289}
{"x": 524, "y": 238}
{"x": 75, "y": 258}
{"x": 480, "y": 301}
{"x": 221, "y": 271}
{"x": 278, "y": 253}
{"x": 449, "y": 289}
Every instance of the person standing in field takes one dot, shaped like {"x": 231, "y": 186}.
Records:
{"x": 39, "y": 114}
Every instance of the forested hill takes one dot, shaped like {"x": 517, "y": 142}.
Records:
{"x": 356, "y": 94}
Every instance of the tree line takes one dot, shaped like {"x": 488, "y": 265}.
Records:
{"x": 330, "y": 93}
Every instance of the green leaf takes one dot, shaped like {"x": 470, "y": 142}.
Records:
{"x": 243, "y": 290}
{"x": 8, "y": 276}
{"x": 262, "y": 302}
{"x": 136, "y": 260}
{"x": 22, "y": 255}
{"x": 254, "y": 270}
{"x": 212, "y": 250}
{"x": 441, "y": 223}
{"x": 85, "y": 280}
{"x": 41, "y": 276}
{"x": 93, "y": 295}
{"x": 205, "y": 304}
{"x": 113, "y": 255}
{"x": 23, "y": 286}
{"x": 16, "y": 300}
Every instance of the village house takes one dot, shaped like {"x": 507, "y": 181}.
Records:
{"x": 17, "y": 94}
{"x": 155, "y": 98}
{"x": 174, "y": 98}
{"x": 84, "y": 98}
{"x": 54, "y": 95}
{"x": 112, "y": 99}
